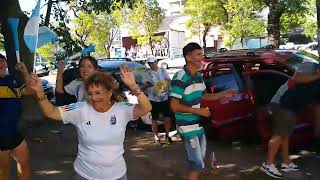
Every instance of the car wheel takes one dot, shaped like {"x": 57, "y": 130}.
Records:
{"x": 164, "y": 66}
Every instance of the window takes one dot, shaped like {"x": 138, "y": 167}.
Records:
{"x": 221, "y": 80}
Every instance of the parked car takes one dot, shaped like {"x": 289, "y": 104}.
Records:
{"x": 41, "y": 70}
{"x": 312, "y": 48}
{"x": 175, "y": 61}
{"x": 113, "y": 67}
{"x": 291, "y": 59}
{"x": 255, "y": 80}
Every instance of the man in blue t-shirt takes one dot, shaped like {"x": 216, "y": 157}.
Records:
{"x": 12, "y": 141}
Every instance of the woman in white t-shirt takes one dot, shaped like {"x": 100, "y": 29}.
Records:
{"x": 100, "y": 122}
{"x": 87, "y": 66}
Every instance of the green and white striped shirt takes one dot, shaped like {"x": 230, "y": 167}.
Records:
{"x": 189, "y": 90}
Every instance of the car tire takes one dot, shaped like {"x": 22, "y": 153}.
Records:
{"x": 164, "y": 66}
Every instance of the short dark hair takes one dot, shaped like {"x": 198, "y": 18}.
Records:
{"x": 2, "y": 57}
{"x": 92, "y": 60}
{"x": 190, "y": 47}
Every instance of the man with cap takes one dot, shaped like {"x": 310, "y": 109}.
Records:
{"x": 157, "y": 87}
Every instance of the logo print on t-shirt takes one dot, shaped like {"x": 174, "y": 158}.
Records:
{"x": 88, "y": 123}
{"x": 113, "y": 120}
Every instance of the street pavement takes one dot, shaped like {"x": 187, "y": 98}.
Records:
{"x": 53, "y": 148}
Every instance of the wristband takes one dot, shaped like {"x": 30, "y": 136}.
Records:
{"x": 137, "y": 91}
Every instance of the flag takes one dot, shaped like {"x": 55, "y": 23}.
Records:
{"x": 46, "y": 36}
{"x": 32, "y": 29}
{"x": 13, "y": 23}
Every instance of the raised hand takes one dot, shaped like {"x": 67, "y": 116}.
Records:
{"x": 61, "y": 67}
{"x": 21, "y": 67}
{"x": 128, "y": 76}
{"x": 35, "y": 84}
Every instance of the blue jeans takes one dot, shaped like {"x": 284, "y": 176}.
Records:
{"x": 79, "y": 177}
{"x": 195, "y": 148}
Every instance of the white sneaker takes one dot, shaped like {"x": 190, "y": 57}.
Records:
{"x": 289, "y": 167}
{"x": 271, "y": 170}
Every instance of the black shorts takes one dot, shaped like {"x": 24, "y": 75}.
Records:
{"x": 10, "y": 142}
{"x": 283, "y": 120}
{"x": 160, "y": 108}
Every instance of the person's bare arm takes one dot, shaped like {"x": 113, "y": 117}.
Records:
{"x": 177, "y": 106}
{"x": 216, "y": 96}
{"x": 48, "y": 109}
{"x": 21, "y": 67}
{"x": 59, "y": 81}
{"x": 144, "y": 105}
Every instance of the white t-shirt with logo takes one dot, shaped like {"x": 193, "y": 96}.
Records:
{"x": 101, "y": 137}
{"x": 76, "y": 88}
{"x": 159, "y": 79}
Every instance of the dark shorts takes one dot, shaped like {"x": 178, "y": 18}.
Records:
{"x": 283, "y": 120}
{"x": 160, "y": 108}
{"x": 10, "y": 142}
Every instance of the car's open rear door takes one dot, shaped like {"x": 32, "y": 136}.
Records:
{"x": 228, "y": 115}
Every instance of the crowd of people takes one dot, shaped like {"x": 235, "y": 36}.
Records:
{"x": 157, "y": 49}
{"x": 100, "y": 117}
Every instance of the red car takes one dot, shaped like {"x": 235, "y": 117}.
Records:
{"x": 256, "y": 79}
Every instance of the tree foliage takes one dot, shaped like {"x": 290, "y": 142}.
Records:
{"x": 283, "y": 14}
{"x": 144, "y": 19}
{"x": 46, "y": 51}
{"x": 244, "y": 21}
{"x": 84, "y": 25}
{"x": 1, "y": 42}
{"x": 203, "y": 15}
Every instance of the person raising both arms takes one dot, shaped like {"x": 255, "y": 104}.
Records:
{"x": 12, "y": 141}
{"x": 100, "y": 122}
{"x": 87, "y": 66}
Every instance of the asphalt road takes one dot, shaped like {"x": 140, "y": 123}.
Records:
{"x": 53, "y": 148}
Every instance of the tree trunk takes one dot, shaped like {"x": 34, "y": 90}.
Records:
{"x": 274, "y": 24}
{"x": 205, "y": 32}
{"x": 48, "y": 13}
{"x": 11, "y": 8}
{"x": 318, "y": 22}
{"x": 242, "y": 43}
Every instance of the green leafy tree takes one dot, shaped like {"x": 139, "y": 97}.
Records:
{"x": 46, "y": 51}
{"x": 84, "y": 24}
{"x": 11, "y": 8}
{"x": 144, "y": 19}
{"x": 205, "y": 14}
{"x": 277, "y": 12}
{"x": 107, "y": 29}
{"x": 1, "y": 43}
{"x": 244, "y": 21}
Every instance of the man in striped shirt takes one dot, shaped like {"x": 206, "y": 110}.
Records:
{"x": 187, "y": 91}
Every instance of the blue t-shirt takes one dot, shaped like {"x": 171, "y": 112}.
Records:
{"x": 10, "y": 105}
